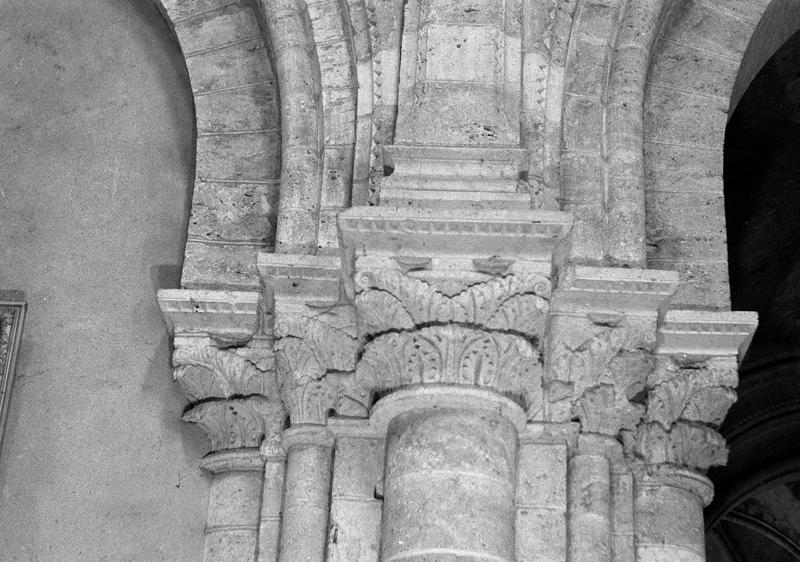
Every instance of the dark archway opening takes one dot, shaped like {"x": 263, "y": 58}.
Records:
{"x": 756, "y": 512}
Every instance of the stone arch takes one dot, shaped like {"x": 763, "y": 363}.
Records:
{"x": 695, "y": 63}
{"x": 236, "y": 190}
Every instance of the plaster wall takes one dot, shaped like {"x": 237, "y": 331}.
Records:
{"x": 96, "y": 154}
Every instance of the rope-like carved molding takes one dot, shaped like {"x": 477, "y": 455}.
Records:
{"x": 205, "y": 371}
{"x": 390, "y": 300}
{"x": 454, "y": 355}
{"x": 238, "y": 422}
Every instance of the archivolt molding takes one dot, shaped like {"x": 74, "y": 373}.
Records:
{"x": 236, "y": 187}
{"x": 302, "y": 125}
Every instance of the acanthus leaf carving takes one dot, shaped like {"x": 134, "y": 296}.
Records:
{"x": 206, "y": 371}
{"x": 700, "y": 392}
{"x": 391, "y": 300}
{"x": 313, "y": 343}
{"x": 455, "y": 355}
{"x": 599, "y": 380}
{"x": 239, "y": 422}
{"x": 690, "y": 445}
{"x": 310, "y": 402}
{"x": 606, "y": 409}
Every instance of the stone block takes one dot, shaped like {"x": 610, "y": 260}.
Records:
{"x": 583, "y": 124}
{"x": 464, "y": 53}
{"x": 483, "y": 12}
{"x": 582, "y": 178}
{"x": 209, "y": 30}
{"x": 673, "y": 168}
{"x": 220, "y": 266}
{"x": 335, "y": 66}
{"x": 686, "y": 215}
{"x": 541, "y": 535}
{"x": 243, "y": 157}
{"x": 250, "y": 108}
{"x": 588, "y": 68}
{"x": 684, "y": 118}
{"x": 236, "y": 65}
{"x": 355, "y": 530}
{"x": 713, "y": 30}
{"x": 358, "y": 467}
{"x": 235, "y": 211}
{"x": 182, "y": 9}
{"x": 542, "y": 476}
{"x": 337, "y": 176}
{"x": 703, "y": 284}
{"x": 696, "y": 70}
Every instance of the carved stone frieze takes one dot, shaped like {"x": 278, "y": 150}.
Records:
{"x": 455, "y": 355}
{"x": 237, "y": 422}
{"x": 205, "y": 370}
{"x": 392, "y": 300}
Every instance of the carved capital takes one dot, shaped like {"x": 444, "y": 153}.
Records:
{"x": 390, "y": 299}
{"x": 696, "y": 447}
{"x": 596, "y": 368}
{"x": 238, "y": 423}
{"x": 313, "y": 344}
{"x": 691, "y": 390}
{"x": 206, "y": 370}
{"x": 453, "y": 355}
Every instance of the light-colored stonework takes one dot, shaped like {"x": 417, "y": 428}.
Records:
{"x": 452, "y": 348}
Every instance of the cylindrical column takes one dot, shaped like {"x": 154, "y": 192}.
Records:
{"x": 234, "y": 499}
{"x": 449, "y": 475}
{"x": 669, "y": 515}
{"x": 590, "y": 501}
{"x": 271, "y": 500}
{"x": 306, "y": 494}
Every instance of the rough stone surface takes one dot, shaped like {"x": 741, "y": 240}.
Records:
{"x": 473, "y": 362}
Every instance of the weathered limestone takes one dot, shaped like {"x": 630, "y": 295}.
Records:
{"x": 689, "y": 393}
{"x": 307, "y": 493}
{"x": 225, "y": 364}
{"x": 459, "y": 383}
{"x": 453, "y": 328}
{"x": 450, "y": 474}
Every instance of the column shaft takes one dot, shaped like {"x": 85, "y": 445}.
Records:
{"x": 271, "y": 502}
{"x": 669, "y": 523}
{"x": 449, "y": 486}
{"x": 589, "y": 508}
{"x": 234, "y": 500}
{"x": 307, "y": 494}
